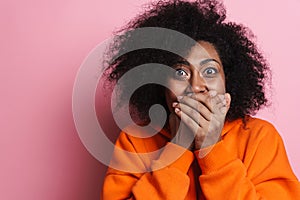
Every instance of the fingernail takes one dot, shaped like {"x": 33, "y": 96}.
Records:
{"x": 212, "y": 93}
{"x": 177, "y": 110}
{"x": 174, "y": 104}
{"x": 179, "y": 97}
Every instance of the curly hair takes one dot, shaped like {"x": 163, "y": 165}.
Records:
{"x": 245, "y": 68}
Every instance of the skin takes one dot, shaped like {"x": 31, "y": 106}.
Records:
{"x": 198, "y": 98}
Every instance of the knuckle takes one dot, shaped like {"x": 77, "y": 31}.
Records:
{"x": 199, "y": 106}
{"x": 189, "y": 122}
{"x": 207, "y": 100}
{"x": 199, "y": 134}
{"x": 194, "y": 113}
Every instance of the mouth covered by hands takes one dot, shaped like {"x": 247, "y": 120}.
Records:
{"x": 198, "y": 119}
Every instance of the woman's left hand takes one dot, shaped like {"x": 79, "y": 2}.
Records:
{"x": 204, "y": 115}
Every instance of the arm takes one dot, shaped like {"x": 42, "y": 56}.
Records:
{"x": 168, "y": 181}
{"x": 263, "y": 172}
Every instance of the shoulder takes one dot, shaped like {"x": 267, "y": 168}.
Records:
{"x": 249, "y": 125}
{"x": 262, "y": 132}
{"x": 257, "y": 139}
{"x": 257, "y": 123}
{"x": 253, "y": 130}
{"x": 261, "y": 128}
{"x": 141, "y": 141}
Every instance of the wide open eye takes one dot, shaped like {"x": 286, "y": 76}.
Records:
{"x": 181, "y": 74}
{"x": 210, "y": 72}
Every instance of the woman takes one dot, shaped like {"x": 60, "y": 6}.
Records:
{"x": 210, "y": 147}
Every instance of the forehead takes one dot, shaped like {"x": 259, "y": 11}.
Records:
{"x": 202, "y": 51}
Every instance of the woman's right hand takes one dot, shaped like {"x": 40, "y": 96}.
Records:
{"x": 202, "y": 117}
{"x": 180, "y": 134}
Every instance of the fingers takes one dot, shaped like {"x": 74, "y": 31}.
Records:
{"x": 205, "y": 104}
{"x": 225, "y": 104}
{"x": 198, "y": 132}
{"x": 194, "y": 99}
{"x": 228, "y": 100}
{"x": 198, "y": 115}
{"x": 188, "y": 121}
{"x": 192, "y": 109}
{"x": 179, "y": 133}
{"x": 203, "y": 115}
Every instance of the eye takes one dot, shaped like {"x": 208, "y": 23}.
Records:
{"x": 210, "y": 72}
{"x": 181, "y": 74}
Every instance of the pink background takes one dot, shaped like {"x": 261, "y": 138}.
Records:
{"x": 42, "y": 45}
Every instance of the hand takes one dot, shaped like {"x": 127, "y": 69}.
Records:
{"x": 180, "y": 133}
{"x": 203, "y": 116}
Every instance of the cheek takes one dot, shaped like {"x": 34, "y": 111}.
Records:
{"x": 174, "y": 89}
{"x": 170, "y": 98}
{"x": 217, "y": 85}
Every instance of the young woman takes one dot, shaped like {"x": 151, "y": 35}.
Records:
{"x": 210, "y": 147}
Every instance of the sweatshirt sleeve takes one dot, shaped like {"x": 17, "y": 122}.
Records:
{"x": 164, "y": 180}
{"x": 263, "y": 172}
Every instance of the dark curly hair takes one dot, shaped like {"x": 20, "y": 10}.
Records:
{"x": 246, "y": 70}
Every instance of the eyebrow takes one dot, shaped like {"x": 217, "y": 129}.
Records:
{"x": 203, "y": 62}
{"x": 183, "y": 62}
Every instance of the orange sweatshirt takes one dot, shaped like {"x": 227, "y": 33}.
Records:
{"x": 248, "y": 163}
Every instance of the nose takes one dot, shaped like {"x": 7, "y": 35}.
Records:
{"x": 198, "y": 83}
